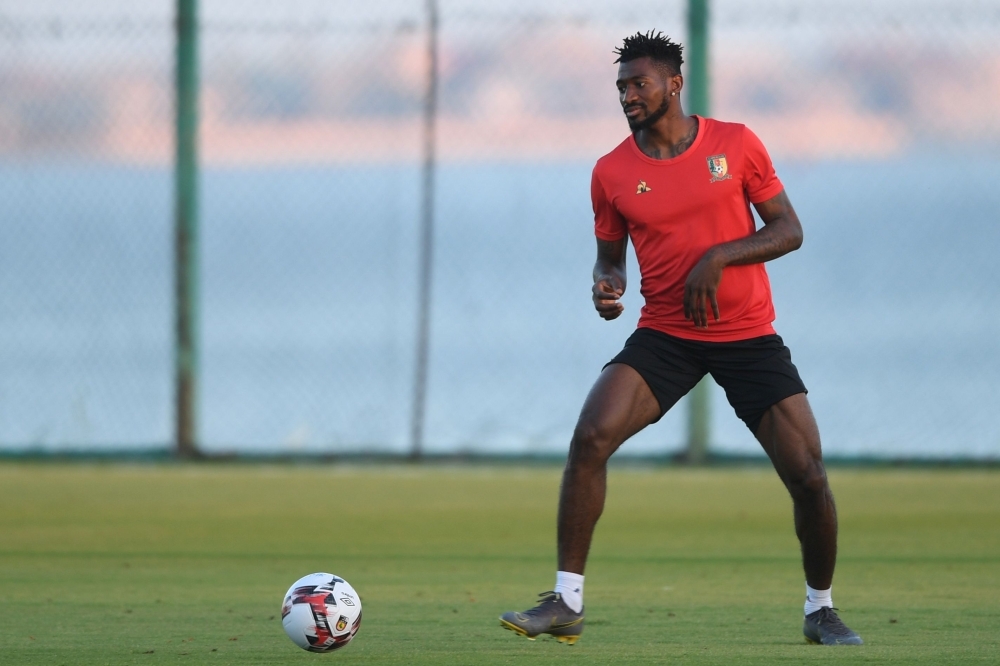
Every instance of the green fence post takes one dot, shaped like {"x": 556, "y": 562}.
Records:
{"x": 186, "y": 232}
{"x": 696, "y": 83}
{"x": 425, "y": 279}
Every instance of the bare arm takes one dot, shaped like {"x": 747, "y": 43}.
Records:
{"x": 781, "y": 234}
{"x": 609, "y": 277}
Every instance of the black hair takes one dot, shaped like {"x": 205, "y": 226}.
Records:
{"x": 656, "y": 46}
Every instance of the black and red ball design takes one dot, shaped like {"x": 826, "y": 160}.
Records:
{"x": 321, "y": 612}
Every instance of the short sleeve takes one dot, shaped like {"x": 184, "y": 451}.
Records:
{"x": 609, "y": 225}
{"x": 759, "y": 179}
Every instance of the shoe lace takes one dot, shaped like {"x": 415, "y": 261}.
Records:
{"x": 828, "y": 617}
{"x": 543, "y": 599}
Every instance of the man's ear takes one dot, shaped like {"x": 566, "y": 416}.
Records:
{"x": 676, "y": 83}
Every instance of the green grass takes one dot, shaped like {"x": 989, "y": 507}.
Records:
{"x": 119, "y": 564}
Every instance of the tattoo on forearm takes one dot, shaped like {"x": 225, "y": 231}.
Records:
{"x": 610, "y": 257}
{"x": 611, "y": 251}
{"x": 766, "y": 244}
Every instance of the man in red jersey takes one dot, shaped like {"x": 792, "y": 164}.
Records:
{"x": 681, "y": 188}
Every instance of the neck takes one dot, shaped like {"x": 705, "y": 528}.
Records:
{"x": 669, "y": 137}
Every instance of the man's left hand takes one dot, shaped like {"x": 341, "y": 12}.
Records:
{"x": 700, "y": 289}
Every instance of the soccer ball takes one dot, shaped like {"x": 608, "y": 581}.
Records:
{"x": 321, "y": 612}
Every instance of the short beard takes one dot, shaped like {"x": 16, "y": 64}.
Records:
{"x": 651, "y": 119}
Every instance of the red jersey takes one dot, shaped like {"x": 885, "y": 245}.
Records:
{"x": 674, "y": 210}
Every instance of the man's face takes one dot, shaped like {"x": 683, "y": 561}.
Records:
{"x": 643, "y": 93}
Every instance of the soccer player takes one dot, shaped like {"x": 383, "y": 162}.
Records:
{"x": 681, "y": 188}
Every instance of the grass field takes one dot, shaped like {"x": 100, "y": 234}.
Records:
{"x": 187, "y": 564}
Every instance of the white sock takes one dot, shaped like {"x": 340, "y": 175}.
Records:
{"x": 570, "y": 586}
{"x": 816, "y": 599}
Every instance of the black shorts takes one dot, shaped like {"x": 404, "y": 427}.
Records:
{"x": 755, "y": 373}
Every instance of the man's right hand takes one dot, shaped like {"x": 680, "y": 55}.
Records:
{"x": 606, "y": 301}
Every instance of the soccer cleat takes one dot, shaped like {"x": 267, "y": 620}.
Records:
{"x": 824, "y": 628}
{"x": 550, "y": 616}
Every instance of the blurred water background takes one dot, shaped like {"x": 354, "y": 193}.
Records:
{"x": 310, "y": 196}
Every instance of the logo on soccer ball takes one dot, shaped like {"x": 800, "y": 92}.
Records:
{"x": 347, "y": 601}
{"x": 718, "y": 168}
{"x": 342, "y": 623}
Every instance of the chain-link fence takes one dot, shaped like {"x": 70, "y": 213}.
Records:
{"x": 881, "y": 118}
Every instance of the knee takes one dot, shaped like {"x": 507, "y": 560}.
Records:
{"x": 807, "y": 481}
{"x": 592, "y": 444}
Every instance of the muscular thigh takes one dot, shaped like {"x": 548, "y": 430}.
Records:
{"x": 618, "y": 406}
{"x": 669, "y": 366}
{"x": 789, "y": 435}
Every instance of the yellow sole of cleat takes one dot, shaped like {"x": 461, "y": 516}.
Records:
{"x": 812, "y": 642}
{"x": 516, "y": 629}
{"x": 569, "y": 640}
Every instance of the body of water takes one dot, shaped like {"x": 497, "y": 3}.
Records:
{"x": 891, "y": 308}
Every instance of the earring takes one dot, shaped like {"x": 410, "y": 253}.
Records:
{"x": 672, "y": 94}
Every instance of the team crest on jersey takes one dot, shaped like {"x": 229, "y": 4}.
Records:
{"x": 643, "y": 187}
{"x": 718, "y": 168}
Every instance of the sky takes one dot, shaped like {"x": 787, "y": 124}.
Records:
{"x": 352, "y": 10}
{"x": 281, "y": 76}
